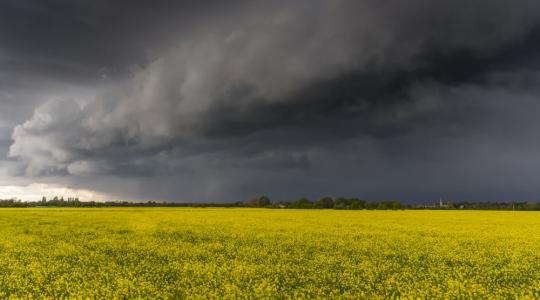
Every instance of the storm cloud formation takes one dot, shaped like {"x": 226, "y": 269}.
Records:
{"x": 206, "y": 102}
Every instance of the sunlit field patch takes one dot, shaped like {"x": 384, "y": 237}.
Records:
{"x": 265, "y": 253}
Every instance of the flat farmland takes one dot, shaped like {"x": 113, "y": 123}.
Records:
{"x": 266, "y": 253}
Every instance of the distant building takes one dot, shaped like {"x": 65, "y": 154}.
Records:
{"x": 442, "y": 204}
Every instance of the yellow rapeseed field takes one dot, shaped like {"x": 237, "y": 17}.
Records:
{"x": 262, "y": 253}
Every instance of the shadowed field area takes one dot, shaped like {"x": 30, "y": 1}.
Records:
{"x": 233, "y": 253}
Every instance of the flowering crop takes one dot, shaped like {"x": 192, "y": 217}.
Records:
{"x": 262, "y": 253}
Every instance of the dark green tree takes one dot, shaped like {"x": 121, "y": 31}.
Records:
{"x": 302, "y": 203}
{"x": 325, "y": 202}
{"x": 260, "y": 201}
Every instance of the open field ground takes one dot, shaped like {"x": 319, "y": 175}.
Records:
{"x": 245, "y": 253}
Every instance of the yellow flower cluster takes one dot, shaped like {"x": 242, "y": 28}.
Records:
{"x": 205, "y": 253}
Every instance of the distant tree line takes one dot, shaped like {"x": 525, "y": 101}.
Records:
{"x": 325, "y": 202}
{"x": 75, "y": 202}
{"x": 264, "y": 201}
{"x": 355, "y": 203}
{"x": 496, "y": 205}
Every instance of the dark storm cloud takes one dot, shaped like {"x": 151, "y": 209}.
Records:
{"x": 368, "y": 98}
{"x": 69, "y": 49}
{"x": 85, "y": 36}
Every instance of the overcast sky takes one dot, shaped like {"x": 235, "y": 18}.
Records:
{"x": 219, "y": 101}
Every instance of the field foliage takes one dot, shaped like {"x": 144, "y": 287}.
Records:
{"x": 264, "y": 253}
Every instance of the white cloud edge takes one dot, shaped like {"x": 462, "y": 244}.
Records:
{"x": 35, "y": 191}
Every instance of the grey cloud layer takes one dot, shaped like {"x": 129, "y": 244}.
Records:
{"x": 369, "y": 98}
